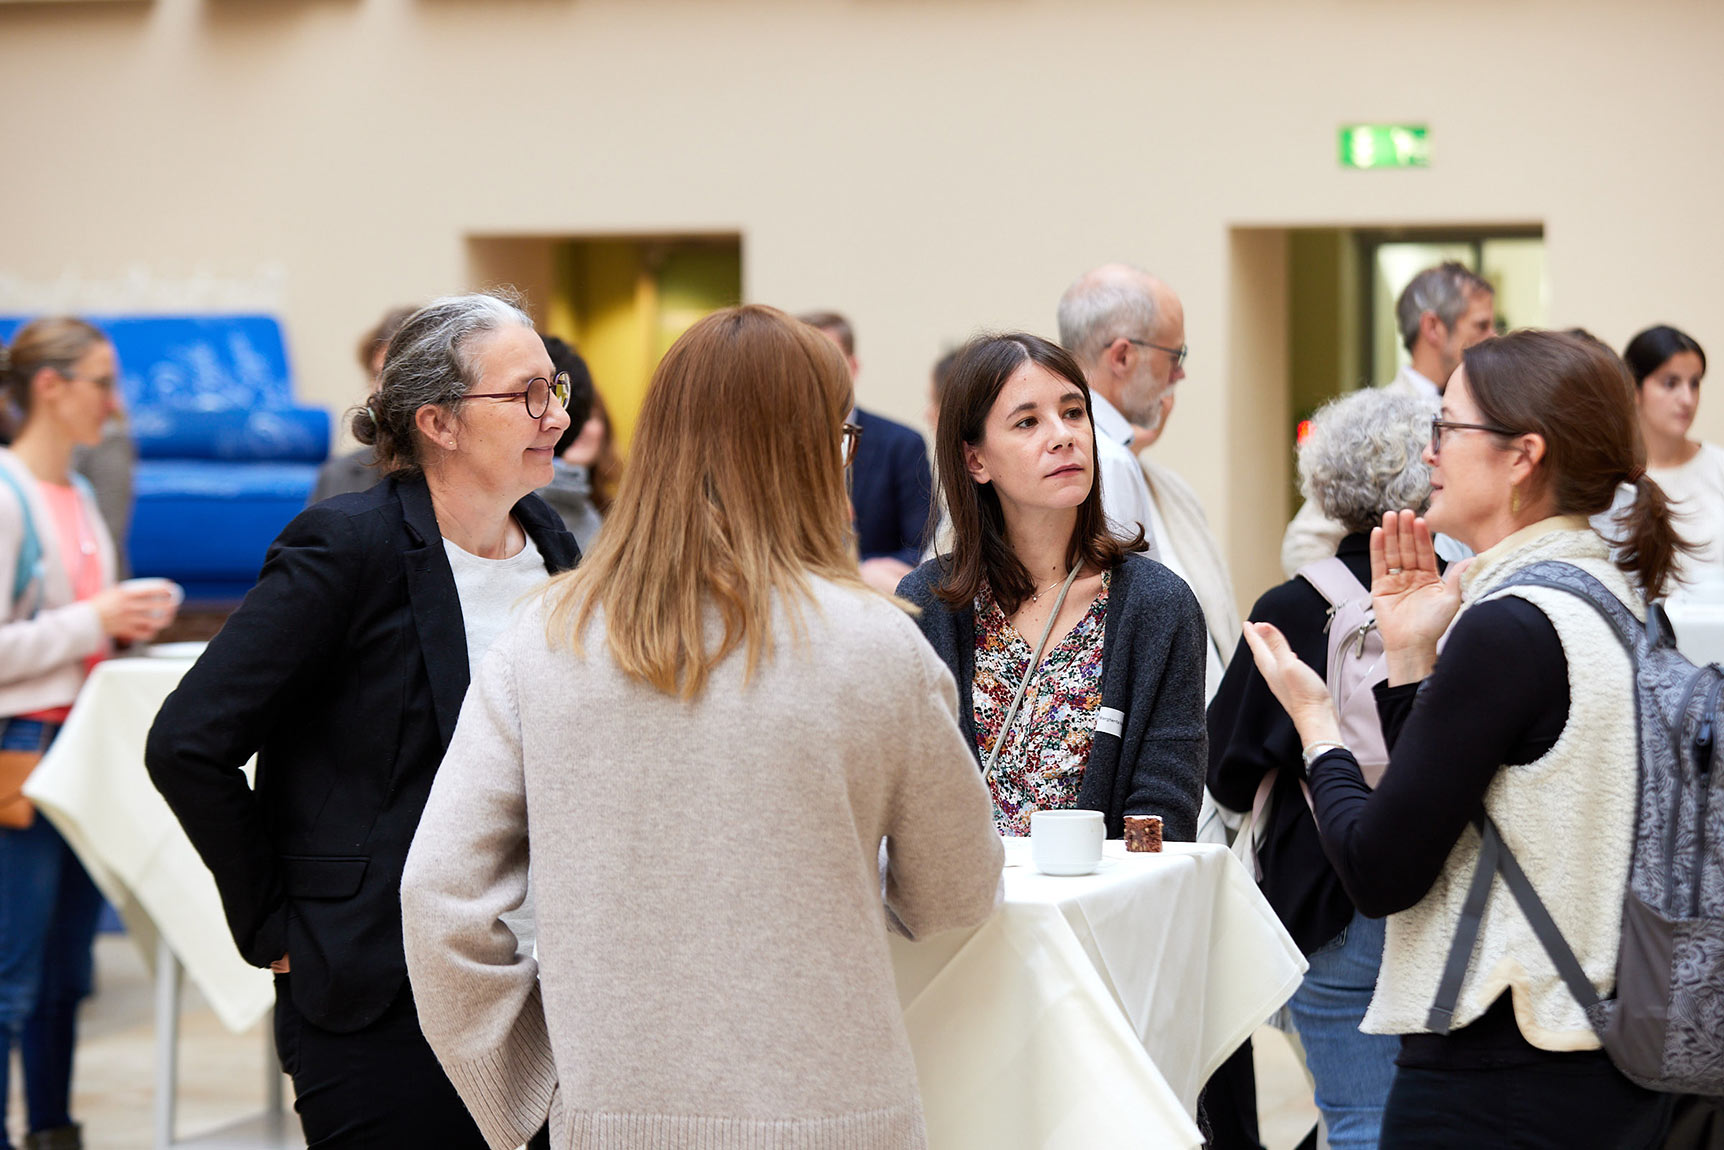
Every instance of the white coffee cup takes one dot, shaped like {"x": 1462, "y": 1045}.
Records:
{"x": 1066, "y": 842}
{"x": 159, "y": 586}
{"x": 176, "y": 594}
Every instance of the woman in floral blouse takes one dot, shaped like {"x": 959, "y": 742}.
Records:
{"x": 1111, "y": 718}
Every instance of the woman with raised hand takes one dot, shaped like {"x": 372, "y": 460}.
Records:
{"x": 344, "y": 671}
{"x": 1528, "y": 716}
{"x": 1079, "y": 663}
{"x": 60, "y": 613}
{"x": 702, "y": 738}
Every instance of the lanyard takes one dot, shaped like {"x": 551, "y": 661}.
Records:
{"x": 1029, "y": 672}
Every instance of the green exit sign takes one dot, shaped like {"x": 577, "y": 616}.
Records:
{"x": 1385, "y": 146}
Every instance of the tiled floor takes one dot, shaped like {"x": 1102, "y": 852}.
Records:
{"x": 222, "y": 1075}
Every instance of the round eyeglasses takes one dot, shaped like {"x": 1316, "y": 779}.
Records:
{"x": 537, "y": 395}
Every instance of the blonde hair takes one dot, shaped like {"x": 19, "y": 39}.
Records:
{"x": 56, "y": 342}
{"x": 734, "y": 493}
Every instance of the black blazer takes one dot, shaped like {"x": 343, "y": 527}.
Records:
{"x": 889, "y": 487}
{"x": 344, "y": 671}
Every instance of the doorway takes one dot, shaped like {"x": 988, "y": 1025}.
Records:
{"x": 1312, "y": 317}
{"x": 1343, "y": 284}
{"x": 621, "y": 301}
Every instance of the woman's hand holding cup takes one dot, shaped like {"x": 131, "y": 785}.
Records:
{"x": 1413, "y": 603}
{"x": 138, "y": 609}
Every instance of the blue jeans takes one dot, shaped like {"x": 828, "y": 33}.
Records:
{"x": 1353, "y": 1071}
{"x": 48, "y": 912}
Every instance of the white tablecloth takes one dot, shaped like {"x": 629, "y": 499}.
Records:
{"x": 1090, "y": 1011}
{"x": 1699, "y": 627}
{"x": 92, "y": 784}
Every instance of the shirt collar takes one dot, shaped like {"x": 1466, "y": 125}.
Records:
{"x": 1108, "y": 420}
{"x": 1420, "y": 383}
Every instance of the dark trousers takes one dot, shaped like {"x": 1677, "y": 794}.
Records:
{"x": 1227, "y": 1108}
{"x": 1575, "y": 1102}
{"x": 379, "y": 1088}
{"x": 48, "y": 912}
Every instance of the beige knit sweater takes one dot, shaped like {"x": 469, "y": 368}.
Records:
{"x": 713, "y": 969}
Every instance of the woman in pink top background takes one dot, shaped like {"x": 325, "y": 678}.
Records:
{"x": 59, "y": 615}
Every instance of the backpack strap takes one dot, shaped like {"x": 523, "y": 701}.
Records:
{"x": 1495, "y": 856}
{"x": 1466, "y": 938}
{"x": 29, "y": 568}
{"x": 1333, "y": 581}
{"x": 1560, "y": 576}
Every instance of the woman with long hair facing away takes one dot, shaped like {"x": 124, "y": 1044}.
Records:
{"x": 1079, "y": 663}
{"x": 1668, "y": 365}
{"x": 60, "y": 613}
{"x": 344, "y": 671}
{"x": 720, "y": 750}
{"x": 1528, "y": 716}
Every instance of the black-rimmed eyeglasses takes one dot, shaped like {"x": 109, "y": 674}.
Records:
{"x": 1438, "y": 426}
{"x": 1178, "y": 353}
{"x": 537, "y": 394}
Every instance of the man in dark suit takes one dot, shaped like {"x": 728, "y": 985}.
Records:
{"x": 889, "y": 480}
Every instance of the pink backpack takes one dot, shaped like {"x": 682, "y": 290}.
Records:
{"x": 1356, "y": 665}
{"x": 1356, "y": 662}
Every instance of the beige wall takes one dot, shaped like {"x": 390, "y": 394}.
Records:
{"x": 928, "y": 167}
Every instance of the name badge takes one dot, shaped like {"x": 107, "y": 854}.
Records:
{"x": 1109, "y": 721}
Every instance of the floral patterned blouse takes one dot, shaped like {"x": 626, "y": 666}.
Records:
{"x": 1048, "y": 747}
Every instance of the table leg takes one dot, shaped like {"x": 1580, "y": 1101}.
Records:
{"x": 167, "y": 1041}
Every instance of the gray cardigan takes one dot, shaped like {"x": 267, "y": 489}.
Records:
{"x": 1152, "y": 670}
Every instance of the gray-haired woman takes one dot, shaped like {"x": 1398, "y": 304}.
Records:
{"x": 1360, "y": 460}
{"x": 344, "y": 671}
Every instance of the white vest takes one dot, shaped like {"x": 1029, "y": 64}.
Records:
{"x": 1568, "y": 817}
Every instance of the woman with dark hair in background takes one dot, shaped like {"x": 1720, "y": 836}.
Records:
{"x": 59, "y": 615}
{"x": 570, "y": 492}
{"x": 594, "y": 447}
{"x": 1527, "y": 715}
{"x": 706, "y": 740}
{"x": 1668, "y": 366}
{"x": 1111, "y": 716}
{"x": 344, "y": 671}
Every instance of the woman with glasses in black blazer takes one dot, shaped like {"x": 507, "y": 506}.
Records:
{"x": 344, "y": 672}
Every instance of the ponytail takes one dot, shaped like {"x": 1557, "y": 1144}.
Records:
{"x": 1649, "y": 542}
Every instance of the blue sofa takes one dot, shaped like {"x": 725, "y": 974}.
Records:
{"x": 225, "y": 455}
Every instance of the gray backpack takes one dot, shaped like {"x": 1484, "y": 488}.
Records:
{"x": 1664, "y": 1029}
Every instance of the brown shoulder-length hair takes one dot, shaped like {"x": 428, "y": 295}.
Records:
{"x": 1574, "y": 392}
{"x": 734, "y": 494}
{"x": 980, "y": 552}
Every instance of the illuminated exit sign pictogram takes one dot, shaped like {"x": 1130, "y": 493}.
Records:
{"x": 1385, "y": 146}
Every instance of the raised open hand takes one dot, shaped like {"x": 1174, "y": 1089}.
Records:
{"x": 1413, "y": 603}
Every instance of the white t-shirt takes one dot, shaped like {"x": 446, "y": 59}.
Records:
{"x": 1696, "y": 491}
{"x": 491, "y": 593}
